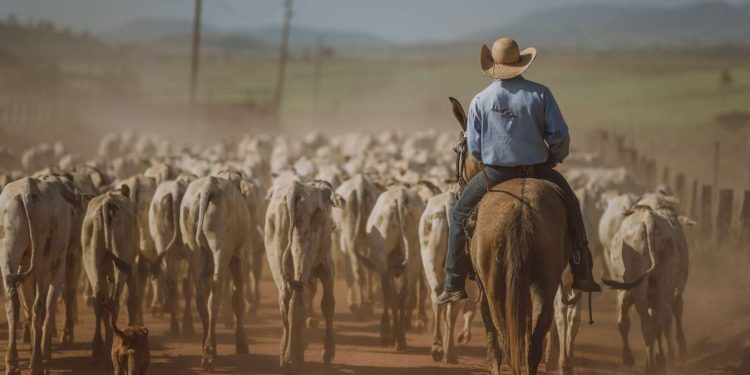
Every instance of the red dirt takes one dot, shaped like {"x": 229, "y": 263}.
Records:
{"x": 358, "y": 349}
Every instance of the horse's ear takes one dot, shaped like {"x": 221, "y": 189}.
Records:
{"x": 458, "y": 112}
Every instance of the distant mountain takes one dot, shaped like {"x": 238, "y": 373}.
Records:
{"x": 157, "y": 30}
{"x": 150, "y": 30}
{"x": 614, "y": 26}
{"x": 309, "y": 37}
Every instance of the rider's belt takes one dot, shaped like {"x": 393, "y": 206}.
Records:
{"x": 524, "y": 170}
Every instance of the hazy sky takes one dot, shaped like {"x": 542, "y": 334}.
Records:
{"x": 396, "y": 20}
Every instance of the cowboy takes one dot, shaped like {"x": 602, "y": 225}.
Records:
{"x": 515, "y": 128}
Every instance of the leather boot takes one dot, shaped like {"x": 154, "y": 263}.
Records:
{"x": 582, "y": 265}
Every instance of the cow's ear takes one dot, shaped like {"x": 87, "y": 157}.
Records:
{"x": 125, "y": 190}
{"x": 337, "y": 200}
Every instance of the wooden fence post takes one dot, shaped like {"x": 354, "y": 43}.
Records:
{"x": 724, "y": 217}
{"x": 666, "y": 177}
{"x": 679, "y": 190}
{"x": 744, "y": 226}
{"x": 694, "y": 202}
{"x": 706, "y": 224}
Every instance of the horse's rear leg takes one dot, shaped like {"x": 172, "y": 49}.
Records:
{"x": 494, "y": 355}
{"x": 238, "y": 270}
{"x": 543, "y": 322}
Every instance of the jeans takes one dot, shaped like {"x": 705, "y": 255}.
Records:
{"x": 458, "y": 262}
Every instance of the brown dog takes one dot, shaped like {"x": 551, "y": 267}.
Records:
{"x": 130, "y": 352}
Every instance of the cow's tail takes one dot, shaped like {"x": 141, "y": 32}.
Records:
{"x": 359, "y": 204}
{"x": 15, "y": 279}
{"x": 400, "y": 207}
{"x": 109, "y": 242}
{"x": 174, "y": 209}
{"x": 291, "y": 199}
{"x": 203, "y": 201}
{"x": 651, "y": 244}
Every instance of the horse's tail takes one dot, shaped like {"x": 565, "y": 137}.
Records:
{"x": 517, "y": 250}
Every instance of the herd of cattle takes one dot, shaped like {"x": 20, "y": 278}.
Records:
{"x": 192, "y": 226}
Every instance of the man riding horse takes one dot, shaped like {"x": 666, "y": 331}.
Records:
{"x": 515, "y": 129}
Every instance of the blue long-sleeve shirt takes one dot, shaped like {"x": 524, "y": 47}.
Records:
{"x": 516, "y": 122}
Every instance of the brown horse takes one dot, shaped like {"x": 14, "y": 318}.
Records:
{"x": 520, "y": 247}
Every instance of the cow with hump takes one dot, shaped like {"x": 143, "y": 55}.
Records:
{"x": 109, "y": 240}
{"x": 36, "y": 224}
{"x": 298, "y": 245}
{"x": 215, "y": 222}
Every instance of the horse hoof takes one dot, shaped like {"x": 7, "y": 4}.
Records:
{"x": 437, "y": 354}
{"x": 12, "y": 370}
{"x": 312, "y": 323}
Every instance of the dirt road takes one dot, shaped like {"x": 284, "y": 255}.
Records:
{"x": 358, "y": 349}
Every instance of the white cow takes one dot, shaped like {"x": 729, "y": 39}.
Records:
{"x": 214, "y": 223}
{"x": 298, "y": 240}
{"x": 433, "y": 238}
{"x": 614, "y": 208}
{"x": 109, "y": 239}
{"x": 164, "y": 227}
{"x": 393, "y": 239}
{"x": 36, "y": 220}
{"x": 142, "y": 189}
{"x": 360, "y": 195}
{"x": 649, "y": 263}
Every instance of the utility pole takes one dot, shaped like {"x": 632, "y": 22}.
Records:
{"x": 318, "y": 73}
{"x": 283, "y": 55}
{"x": 196, "y": 50}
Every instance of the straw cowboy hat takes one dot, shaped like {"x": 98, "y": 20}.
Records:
{"x": 505, "y": 61}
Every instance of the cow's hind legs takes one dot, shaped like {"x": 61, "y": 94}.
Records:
{"x": 187, "y": 316}
{"x": 327, "y": 307}
{"x": 624, "y": 302}
{"x": 238, "y": 304}
{"x": 449, "y": 344}
{"x": 386, "y": 338}
{"x": 437, "y": 335}
{"x": 12, "y": 307}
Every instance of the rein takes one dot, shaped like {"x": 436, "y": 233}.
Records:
{"x": 462, "y": 153}
{"x": 461, "y": 149}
